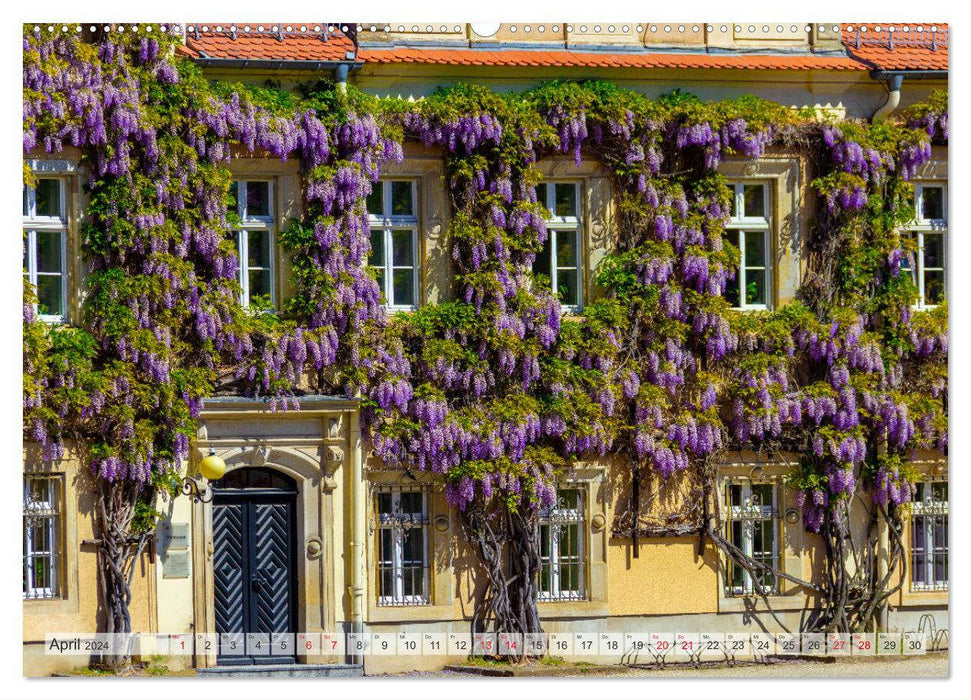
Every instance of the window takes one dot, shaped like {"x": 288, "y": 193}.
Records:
{"x": 752, "y": 526}
{"x": 929, "y": 236}
{"x": 402, "y": 515}
{"x": 254, "y": 240}
{"x": 928, "y": 537}
{"x": 559, "y": 260}
{"x": 748, "y": 230}
{"x": 393, "y": 217}
{"x": 45, "y": 236}
{"x": 42, "y": 536}
{"x": 563, "y": 571}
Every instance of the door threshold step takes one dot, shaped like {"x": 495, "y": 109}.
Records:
{"x": 284, "y": 671}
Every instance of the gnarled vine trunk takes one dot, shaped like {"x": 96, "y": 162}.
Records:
{"x": 508, "y": 544}
{"x": 853, "y": 591}
{"x": 856, "y": 591}
{"x": 119, "y": 549}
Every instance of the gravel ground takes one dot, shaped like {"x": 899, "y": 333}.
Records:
{"x": 931, "y": 666}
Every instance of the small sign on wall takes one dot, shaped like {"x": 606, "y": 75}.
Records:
{"x": 175, "y": 565}
{"x": 177, "y": 536}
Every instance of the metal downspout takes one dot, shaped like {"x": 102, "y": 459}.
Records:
{"x": 894, "y": 81}
{"x": 340, "y": 77}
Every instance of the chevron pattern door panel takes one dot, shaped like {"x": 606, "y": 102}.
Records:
{"x": 229, "y": 567}
{"x": 253, "y": 567}
{"x": 272, "y": 590}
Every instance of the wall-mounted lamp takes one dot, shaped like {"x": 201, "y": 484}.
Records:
{"x": 211, "y": 468}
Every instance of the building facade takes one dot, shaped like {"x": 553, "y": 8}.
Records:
{"x": 309, "y": 529}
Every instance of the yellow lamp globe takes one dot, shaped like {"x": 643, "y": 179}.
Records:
{"x": 212, "y": 467}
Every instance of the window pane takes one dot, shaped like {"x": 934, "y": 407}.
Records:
{"x": 755, "y": 286}
{"x": 402, "y": 248}
{"x": 569, "y": 499}
{"x": 26, "y": 200}
{"x": 404, "y": 292}
{"x": 754, "y": 249}
{"x": 917, "y": 534}
{"x": 735, "y": 495}
{"x": 570, "y": 541}
{"x": 49, "y": 295}
{"x": 754, "y": 196}
{"x": 387, "y": 581}
{"x": 384, "y": 503}
{"x": 566, "y": 249}
{"x": 258, "y": 248}
{"x": 541, "y": 266}
{"x": 42, "y": 572}
{"x": 414, "y": 547}
{"x": 932, "y": 203}
{"x": 566, "y": 199}
{"x": 731, "y": 285}
{"x": 375, "y": 205}
{"x": 933, "y": 250}
{"x": 919, "y": 492}
{"x": 234, "y": 193}
{"x": 762, "y": 494}
{"x": 49, "y": 197}
{"x": 259, "y": 283}
{"x": 401, "y": 202}
{"x": 38, "y": 535}
{"x": 732, "y": 209}
{"x": 48, "y": 251}
{"x": 541, "y": 193}
{"x": 933, "y": 287}
{"x": 258, "y": 199}
{"x": 377, "y": 248}
{"x": 567, "y": 287}
{"x": 411, "y": 504}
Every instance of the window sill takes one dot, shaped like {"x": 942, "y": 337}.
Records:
{"x": 754, "y": 603}
{"x": 918, "y": 598}
{"x": 49, "y": 606}
{"x": 552, "y": 610}
{"x": 409, "y": 613}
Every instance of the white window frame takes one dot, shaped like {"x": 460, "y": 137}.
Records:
{"x": 388, "y": 223}
{"x": 50, "y": 513}
{"x": 918, "y": 229}
{"x": 398, "y": 522}
{"x": 53, "y": 224}
{"x": 749, "y": 513}
{"x": 928, "y": 509}
{"x": 554, "y": 518}
{"x": 565, "y": 225}
{"x": 754, "y": 225}
{"x": 263, "y": 224}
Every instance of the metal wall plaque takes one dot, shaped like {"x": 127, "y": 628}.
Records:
{"x": 177, "y": 536}
{"x": 175, "y": 565}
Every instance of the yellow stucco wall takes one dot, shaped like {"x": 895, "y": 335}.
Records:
{"x": 78, "y": 609}
{"x": 667, "y": 577}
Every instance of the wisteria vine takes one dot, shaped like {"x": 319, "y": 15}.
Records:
{"x": 495, "y": 391}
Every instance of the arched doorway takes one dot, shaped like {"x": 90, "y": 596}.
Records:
{"x": 254, "y": 566}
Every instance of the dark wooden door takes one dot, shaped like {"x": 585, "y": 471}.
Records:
{"x": 254, "y": 567}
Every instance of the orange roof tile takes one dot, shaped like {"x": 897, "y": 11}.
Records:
{"x": 566, "y": 58}
{"x": 268, "y": 46}
{"x": 910, "y": 46}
